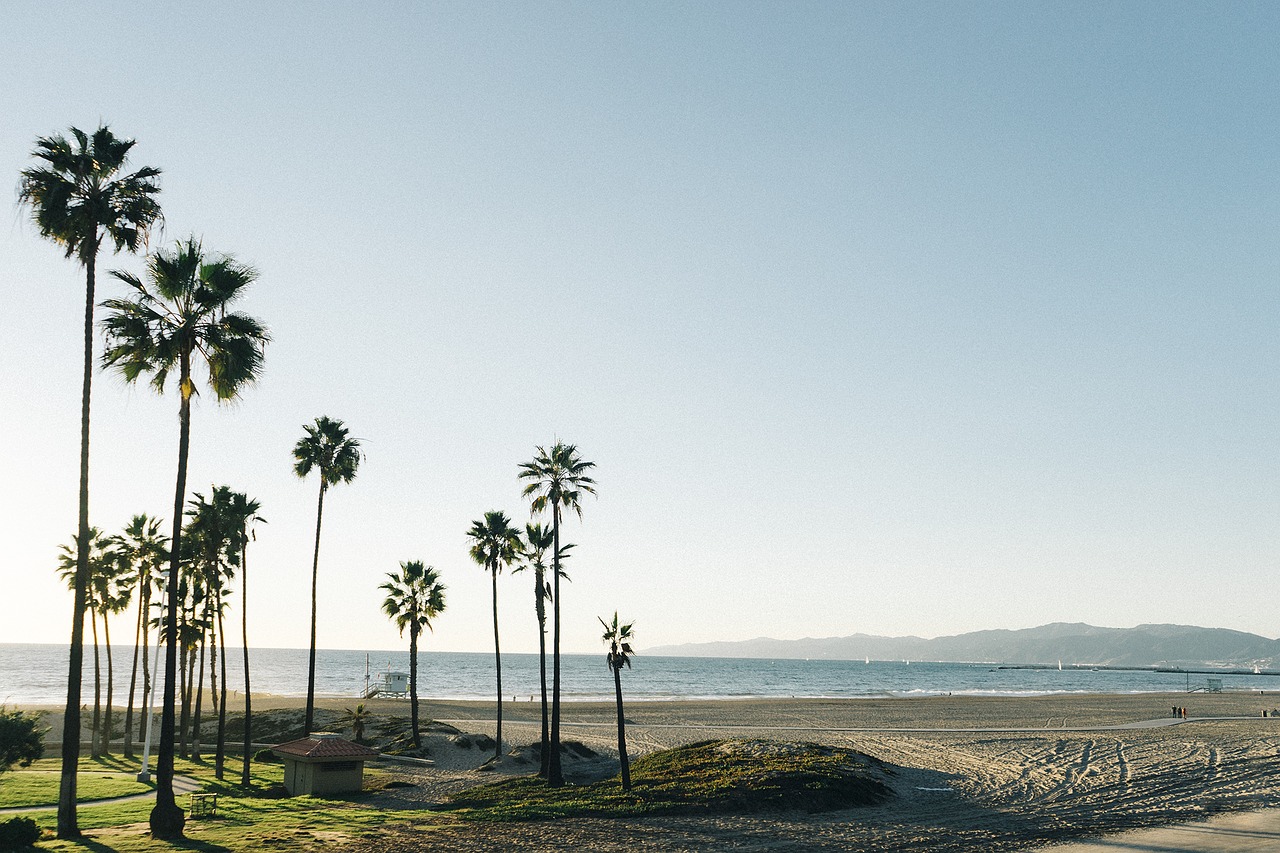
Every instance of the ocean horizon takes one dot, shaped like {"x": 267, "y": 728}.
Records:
{"x": 35, "y": 674}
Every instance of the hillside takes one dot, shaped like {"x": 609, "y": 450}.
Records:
{"x": 1144, "y": 645}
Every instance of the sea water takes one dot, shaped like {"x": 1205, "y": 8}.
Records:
{"x": 36, "y": 674}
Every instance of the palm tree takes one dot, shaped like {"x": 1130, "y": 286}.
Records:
{"x": 179, "y": 316}
{"x": 358, "y": 717}
{"x": 101, "y": 561}
{"x": 218, "y": 533}
{"x": 329, "y": 448}
{"x": 538, "y": 540}
{"x": 557, "y": 479}
{"x": 141, "y": 546}
{"x": 113, "y": 596}
{"x": 494, "y": 544}
{"x": 415, "y": 596}
{"x": 244, "y": 514}
{"x": 618, "y": 639}
{"x": 78, "y": 197}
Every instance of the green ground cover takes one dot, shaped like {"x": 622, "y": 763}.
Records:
{"x": 712, "y": 776}
{"x": 99, "y": 779}
{"x": 261, "y": 818}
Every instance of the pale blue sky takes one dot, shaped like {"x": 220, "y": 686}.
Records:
{"x": 894, "y": 318}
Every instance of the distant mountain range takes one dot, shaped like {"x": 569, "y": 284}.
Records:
{"x": 1071, "y": 643}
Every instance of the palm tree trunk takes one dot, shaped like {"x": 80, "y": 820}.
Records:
{"x": 106, "y": 715}
{"x": 197, "y": 687}
{"x": 413, "y": 682}
{"x": 244, "y": 639}
{"x": 95, "y": 742}
{"x": 185, "y": 726}
{"x": 497, "y": 654}
{"x": 622, "y": 731}
{"x": 133, "y": 680}
{"x": 147, "y": 686}
{"x": 67, "y": 824}
{"x": 555, "y": 775}
{"x": 315, "y": 570}
{"x": 220, "y": 753}
{"x": 166, "y": 817}
{"x": 545, "y": 758}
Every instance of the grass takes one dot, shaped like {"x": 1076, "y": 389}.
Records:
{"x": 259, "y": 818}
{"x": 98, "y": 780}
{"x": 708, "y": 777}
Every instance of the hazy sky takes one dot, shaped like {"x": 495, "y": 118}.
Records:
{"x": 892, "y": 318}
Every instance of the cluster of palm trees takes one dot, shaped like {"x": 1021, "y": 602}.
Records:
{"x": 177, "y": 323}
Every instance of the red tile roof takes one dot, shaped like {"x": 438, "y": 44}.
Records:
{"x": 324, "y": 746}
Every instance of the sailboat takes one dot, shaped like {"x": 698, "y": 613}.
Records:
{"x": 1059, "y": 664}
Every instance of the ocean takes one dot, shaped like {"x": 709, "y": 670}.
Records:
{"x": 36, "y": 674}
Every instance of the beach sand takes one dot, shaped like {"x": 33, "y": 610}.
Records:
{"x": 972, "y": 773}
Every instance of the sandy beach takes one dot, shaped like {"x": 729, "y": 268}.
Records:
{"x": 970, "y": 773}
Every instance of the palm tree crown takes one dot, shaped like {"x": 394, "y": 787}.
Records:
{"x": 182, "y": 312}
{"x": 494, "y": 541}
{"x": 557, "y": 478}
{"x": 618, "y": 640}
{"x": 415, "y": 596}
{"x": 328, "y": 447}
{"x": 78, "y": 194}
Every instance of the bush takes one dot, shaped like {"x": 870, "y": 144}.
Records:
{"x": 21, "y": 741}
{"x": 266, "y": 756}
{"x": 18, "y": 832}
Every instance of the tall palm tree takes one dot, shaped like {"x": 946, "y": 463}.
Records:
{"x": 557, "y": 479}
{"x": 415, "y": 596}
{"x": 142, "y": 547}
{"x": 618, "y": 639}
{"x": 494, "y": 544}
{"x": 329, "y": 448}
{"x": 244, "y": 514}
{"x": 538, "y": 540}
{"x": 180, "y": 315}
{"x": 80, "y": 196}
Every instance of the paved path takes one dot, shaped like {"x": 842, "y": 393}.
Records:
{"x": 181, "y": 785}
{"x": 1246, "y": 832}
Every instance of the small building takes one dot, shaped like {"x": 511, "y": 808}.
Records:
{"x": 395, "y": 683}
{"x": 323, "y": 763}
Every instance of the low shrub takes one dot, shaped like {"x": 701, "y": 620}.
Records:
{"x": 18, "y": 832}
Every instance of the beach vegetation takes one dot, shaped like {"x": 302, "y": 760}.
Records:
{"x": 328, "y": 448}
{"x": 717, "y": 776}
{"x": 79, "y": 195}
{"x": 495, "y": 543}
{"x": 21, "y": 738}
{"x": 556, "y": 479}
{"x": 415, "y": 597}
{"x": 179, "y": 316}
{"x": 617, "y": 638}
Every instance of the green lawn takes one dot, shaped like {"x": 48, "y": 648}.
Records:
{"x": 254, "y": 820}
{"x": 38, "y": 784}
